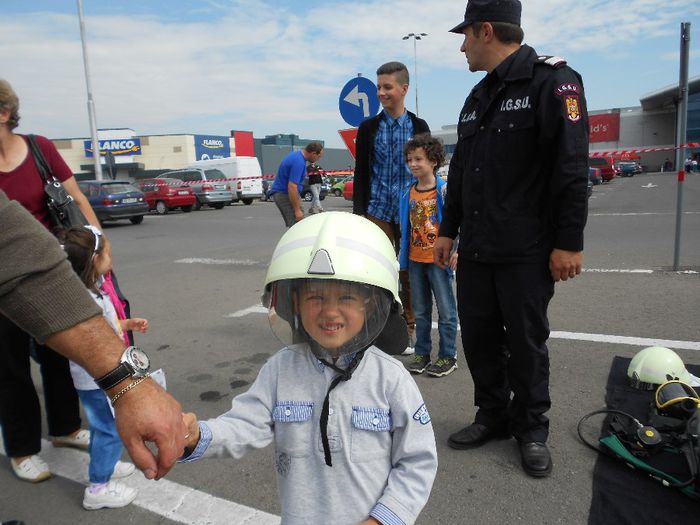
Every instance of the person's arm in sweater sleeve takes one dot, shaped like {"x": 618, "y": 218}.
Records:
{"x": 42, "y": 295}
{"x": 361, "y": 179}
{"x": 38, "y": 289}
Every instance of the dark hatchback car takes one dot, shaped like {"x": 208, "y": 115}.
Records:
{"x": 594, "y": 176}
{"x": 306, "y": 190}
{"x": 115, "y": 199}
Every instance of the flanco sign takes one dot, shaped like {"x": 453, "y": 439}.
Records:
{"x": 115, "y": 146}
{"x": 207, "y": 147}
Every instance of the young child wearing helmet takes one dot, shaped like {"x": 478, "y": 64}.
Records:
{"x": 353, "y": 438}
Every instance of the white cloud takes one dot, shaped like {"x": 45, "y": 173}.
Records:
{"x": 261, "y": 66}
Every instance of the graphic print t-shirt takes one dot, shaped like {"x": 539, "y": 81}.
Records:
{"x": 422, "y": 212}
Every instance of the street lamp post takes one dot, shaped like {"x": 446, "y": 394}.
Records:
{"x": 415, "y": 36}
{"x": 96, "y": 156}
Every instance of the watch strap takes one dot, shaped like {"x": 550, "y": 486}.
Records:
{"x": 116, "y": 376}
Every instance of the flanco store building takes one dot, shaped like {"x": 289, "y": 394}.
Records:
{"x": 128, "y": 156}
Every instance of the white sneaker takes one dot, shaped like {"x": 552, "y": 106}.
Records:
{"x": 411, "y": 348}
{"x": 123, "y": 470}
{"x": 113, "y": 496}
{"x": 33, "y": 469}
{"x": 80, "y": 441}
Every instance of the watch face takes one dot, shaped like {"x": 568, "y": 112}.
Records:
{"x": 138, "y": 359}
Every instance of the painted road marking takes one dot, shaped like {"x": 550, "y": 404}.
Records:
{"x": 616, "y": 270}
{"x": 623, "y": 340}
{"x": 578, "y": 336}
{"x": 639, "y": 214}
{"x": 257, "y": 309}
{"x": 232, "y": 262}
{"x": 166, "y": 498}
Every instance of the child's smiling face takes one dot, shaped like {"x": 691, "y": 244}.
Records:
{"x": 419, "y": 164}
{"x": 332, "y": 312}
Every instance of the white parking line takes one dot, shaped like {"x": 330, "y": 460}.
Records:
{"x": 578, "y": 336}
{"x": 639, "y": 214}
{"x": 166, "y": 498}
{"x": 616, "y": 270}
{"x": 257, "y": 309}
{"x": 233, "y": 262}
{"x": 623, "y": 340}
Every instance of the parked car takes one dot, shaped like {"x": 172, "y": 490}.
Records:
{"x": 594, "y": 176}
{"x": 605, "y": 165}
{"x": 306, "y": 190}
{"x": 207, "y": 185}
{"x": 347, "y": 190}
{"x": 115, "y": 199}
{"x": 164, "y": 195}
{"x": 338, "y": 187}
{"x": 627, "y": 168}
{"x": 267, "y": 189}
{"x": 242, "y": 173}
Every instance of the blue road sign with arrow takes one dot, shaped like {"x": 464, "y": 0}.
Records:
{"x": 358, "y": 100}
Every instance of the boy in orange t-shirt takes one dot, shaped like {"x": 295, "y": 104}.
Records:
{"x": 420, "y": 213}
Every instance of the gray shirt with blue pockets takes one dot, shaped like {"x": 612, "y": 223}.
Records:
{"x": 379, "y": 431}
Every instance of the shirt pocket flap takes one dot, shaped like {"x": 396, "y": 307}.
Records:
{"x": 292, "y": 411}
{"x": 516, "y": 121}
{"x": 373, "y": 419}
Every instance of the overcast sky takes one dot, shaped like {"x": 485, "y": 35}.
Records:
{"x": 210, "y": 66}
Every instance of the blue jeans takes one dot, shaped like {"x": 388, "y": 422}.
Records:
{"x": 105, "y": 443}
{"x": 428, "y": 280}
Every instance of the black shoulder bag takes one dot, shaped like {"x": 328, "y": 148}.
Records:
{"x": 63, "y": 210}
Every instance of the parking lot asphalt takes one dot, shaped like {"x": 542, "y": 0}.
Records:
{"x": 198, "y": 277}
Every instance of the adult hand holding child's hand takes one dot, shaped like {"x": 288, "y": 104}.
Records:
{"x": 192, "y": 436}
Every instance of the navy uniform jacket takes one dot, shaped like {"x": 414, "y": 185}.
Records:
{"x": 517, "y": 182}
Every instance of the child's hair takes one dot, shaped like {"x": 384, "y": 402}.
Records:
{"x": 82, "y": 245}
{"x": 399, "y": 70}
{"x": 431, "y": 145}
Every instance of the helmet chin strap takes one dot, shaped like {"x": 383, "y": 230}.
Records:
{"x": 343, "y": 375}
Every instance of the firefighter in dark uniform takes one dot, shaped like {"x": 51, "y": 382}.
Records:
{"x": 517, "y": 196}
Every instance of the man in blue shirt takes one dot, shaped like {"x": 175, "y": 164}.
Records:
{"x": 286, "y": 188}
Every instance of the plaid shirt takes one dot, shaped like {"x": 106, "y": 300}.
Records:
{"x": 390, "y": 174}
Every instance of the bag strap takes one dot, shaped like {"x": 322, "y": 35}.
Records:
{"x": 39, "y": 160}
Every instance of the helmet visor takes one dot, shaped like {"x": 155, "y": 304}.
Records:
{"x": 334, "y": 317}
{"x": 675, "y": 392}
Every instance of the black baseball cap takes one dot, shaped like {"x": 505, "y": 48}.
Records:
{"x": 490, "y": 11}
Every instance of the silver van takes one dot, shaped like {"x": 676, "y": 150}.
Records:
{"x": 209, "y": 185}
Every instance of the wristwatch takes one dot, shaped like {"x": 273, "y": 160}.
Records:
{"x": 133, "y": 363}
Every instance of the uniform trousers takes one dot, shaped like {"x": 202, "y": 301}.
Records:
{"x": 503, "y": 317}
{"x": 20, "y": 412}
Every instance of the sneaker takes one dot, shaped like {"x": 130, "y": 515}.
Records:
{"x": 81, "y": 440}
{"x": 442, "y": 367}
{"x": 123, "y": 470}
{"x": 418, "y": 364}
{"x": 33, "y": 469}
{"x": 411, "y": 348}
{"x": 112, "y": 496}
